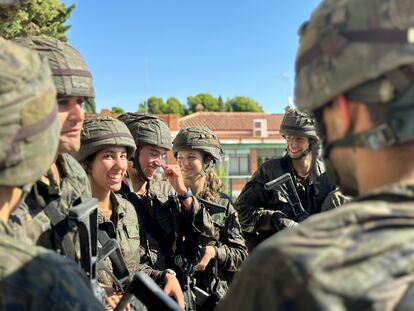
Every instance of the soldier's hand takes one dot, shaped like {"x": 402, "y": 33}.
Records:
{"x": 210, "y": 253}
{"x": 173, "y": 173}
{"x": 280, "y": 221}
{"x": 172, "y": 288}
{"x": 113, "y": 297}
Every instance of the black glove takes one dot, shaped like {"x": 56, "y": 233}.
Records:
{"x": 280, "y": 221}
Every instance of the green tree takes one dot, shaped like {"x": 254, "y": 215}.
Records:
{"x": 209, "y": 102}
{"x": 221, "y": 104}
{"x": 117, "y": 110}
{"x": 242, "y": 103}
{"x": 155, "y": 105}
{"x": 173, "y": 105}
{"x": 35, "y": 18}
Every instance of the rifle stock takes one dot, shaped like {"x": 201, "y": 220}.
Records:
{"x": 285, "y": 184}
{"x": 149, "y": 293}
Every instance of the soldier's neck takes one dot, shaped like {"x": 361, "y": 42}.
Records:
{"x": 9, "y": 198}
{"x": 302, "y": 166}
{"x": 396, "y": 167}
{"x": 196, "y": 184}
{"x": 139, "y": 186}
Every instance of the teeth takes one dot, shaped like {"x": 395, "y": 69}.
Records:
{"x": 115, "y": 176}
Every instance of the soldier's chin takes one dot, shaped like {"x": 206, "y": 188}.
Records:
{"x": 296, "y": 156}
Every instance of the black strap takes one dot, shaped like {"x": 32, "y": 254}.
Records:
{"x": 119, "y": 266}
{"x": 58, "y": 219}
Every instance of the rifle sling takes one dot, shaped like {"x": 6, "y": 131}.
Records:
{"x": 119, "y": 267}
{"x": 58, "y": 220}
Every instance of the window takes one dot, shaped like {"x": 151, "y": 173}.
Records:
{"x": 239, "y": 162}
{"x": 266, "y": 154}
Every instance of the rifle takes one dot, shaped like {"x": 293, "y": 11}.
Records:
{"x": 84, "y": 218}
{"x": 285, "y": 184}
{"x": 149, "y": 293}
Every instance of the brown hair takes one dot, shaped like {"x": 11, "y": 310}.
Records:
{"x": 212, "y": 186}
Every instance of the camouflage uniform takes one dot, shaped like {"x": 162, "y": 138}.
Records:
{"x": 262, "y": 212}
{"x": 166, "y": 218}
{"x": 32, "y": 278}
{"x": 124, "y": 228}
{"x": 360, "y": 256}
{"x": 231, "y": 249}
{"x": 71, "y": 78}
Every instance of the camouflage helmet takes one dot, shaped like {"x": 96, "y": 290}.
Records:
{"x": 147, "y": 129}
{"x": 101, "y": 132}
{"x": 29, "y": 127}
{"x": 363, "y": 49}
{"x": 297, "y": 123}
{"x": 70, "y": 72}
{"x": 198, "y": 138}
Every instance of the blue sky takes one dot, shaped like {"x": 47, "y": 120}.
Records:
{"x": 141, "y": 48}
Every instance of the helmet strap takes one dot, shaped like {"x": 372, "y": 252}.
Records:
{"x": 137, "y": 166}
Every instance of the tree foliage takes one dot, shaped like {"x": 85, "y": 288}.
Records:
{"x": 173, "y": 105}
{"x": 35, "y": 18}
{"x": 117, "y": 110}
{"x": 209, "y": 102}
{"x": 242, "y": 103}
{"x": 156, "y": 105}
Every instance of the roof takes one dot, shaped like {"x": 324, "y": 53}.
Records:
{"x": 230, "y": 121}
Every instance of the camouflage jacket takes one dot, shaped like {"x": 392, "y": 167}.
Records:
{"x": 357, "y": 257}
{"x": 123, "y": 226}
{"x": 33, "y": 278}
{"x": 160, "y": 232}
{"x": 231, "y": 249}
{"x": 256, "y": 205}
{"x": 29, "y": 220}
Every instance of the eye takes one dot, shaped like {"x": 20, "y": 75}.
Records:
{"x": 124, "y": 156}
{"x": 108, "y": 156}
{"x": 62, "y": 101}
{"x": 81, "y": 101}
{"x": 180, "y": 158}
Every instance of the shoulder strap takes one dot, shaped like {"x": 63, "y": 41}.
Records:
{"x": 58, "y": 219}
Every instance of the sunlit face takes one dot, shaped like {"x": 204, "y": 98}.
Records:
{"x": 342, "y": 159}
{"x": 296, "y": 146}
{"x": 190, "y": 163}
{"x": 71, "y": 118}
{"x": 150, "y": 158}
{"x": 107, "y": 169}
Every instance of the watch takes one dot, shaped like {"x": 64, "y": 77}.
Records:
{"x": 186, "y": 195}
{"x": 169, "y": 271}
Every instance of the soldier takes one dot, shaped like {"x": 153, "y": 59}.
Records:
{"x": 197, "y": 150}
{"x": 32, "y": 278}
{"x": 65, "y": 184}
{"x": 167, "y": 209}
{"x": 262, "y": 213}
{"x": 106, "y": 145}
{"x": 354, "y": 70}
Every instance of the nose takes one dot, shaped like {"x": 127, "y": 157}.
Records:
{"x": 120, "y": 162}
{"x": 158, "y": 161}
{"x": 76, "y": 112}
